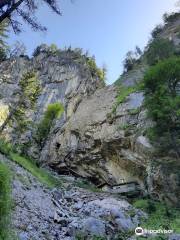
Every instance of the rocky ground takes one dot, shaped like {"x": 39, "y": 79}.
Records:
{"x": 68, "y": 213}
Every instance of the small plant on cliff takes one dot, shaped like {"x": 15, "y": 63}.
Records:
{"x": 162, "y": 99}
{"x": 53, "y": 111}
{"x": 96, "y": 71}
{"x": 123, "y": 93}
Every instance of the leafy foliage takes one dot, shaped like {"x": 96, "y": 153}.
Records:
{"x": 5, "y": 201}
{"x": 160, "y": 215}
{"x": 162, "y": 99}
{"x": 132, "y": 57}
{"x": 30, "y": 87}
{"x": 95, "y": 71}
{"x": 159, "y": 49}
{"x": 53, "y": 111}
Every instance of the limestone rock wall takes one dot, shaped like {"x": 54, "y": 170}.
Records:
{"x": 64, "y": 77}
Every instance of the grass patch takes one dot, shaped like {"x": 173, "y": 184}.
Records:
{"x": 41, "y": 174}
{"x": 5, "y": 202}
{"x": 161, "y": 216}
{"x": 123, "y": 93}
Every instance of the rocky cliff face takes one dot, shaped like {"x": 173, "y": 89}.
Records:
{"x": 63, "y": 77}
{"x": 89, "y": 140}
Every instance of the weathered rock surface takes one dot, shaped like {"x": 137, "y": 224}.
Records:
{"x": 64, "y": 77}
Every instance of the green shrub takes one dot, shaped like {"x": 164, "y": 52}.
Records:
{"x": 159, "y": 49}
{"x": 160, "y": 216}
{"x": 95, "y": 71}
{"x": 53, "y": 111}
{"x": 162, "y": 99}
{"x": 146, "y": 205}
{"x": 5, "y": 201}
{"x": 5, "y": 147}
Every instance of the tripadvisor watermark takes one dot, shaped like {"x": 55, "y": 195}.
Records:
{"x": 140, "y": 231}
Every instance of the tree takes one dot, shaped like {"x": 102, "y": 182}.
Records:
{"x": 159, "y": 49}
{"x": 162, "y": 100}
{"x": 25, "y": 9}
{"x": 129, "y": 61}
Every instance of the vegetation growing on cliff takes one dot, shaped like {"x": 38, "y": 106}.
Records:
{"x": 159, "y": 49}
{"x": 123, "y": 93}
{"x": 132, "y": 58}
{"x": 162, "y": 99}
{"x": 160, "y": 216}
{"x": 96, "y": 71}
{"x": 30, "y": 89}
{"x": 168, "y": 18}
{"x": 53, "y": 112}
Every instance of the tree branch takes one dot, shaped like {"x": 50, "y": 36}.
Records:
{"x": 8, "y": 12}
